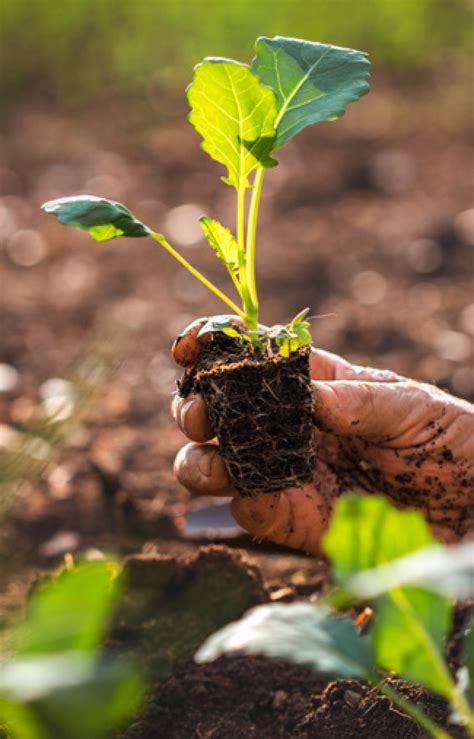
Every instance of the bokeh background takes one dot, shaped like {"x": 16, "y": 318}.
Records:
{"x": 368, "y": 220}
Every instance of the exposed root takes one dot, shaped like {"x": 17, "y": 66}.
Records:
{"x": 261, "y": 410}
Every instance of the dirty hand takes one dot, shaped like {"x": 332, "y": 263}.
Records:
{"x": 375, "y": 431}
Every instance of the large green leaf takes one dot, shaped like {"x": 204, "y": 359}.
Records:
{"x": 70, "y": 611}
{"x": 469, "y": 656}
{"x": 313, "y": 82}
{"x": 222, "y": 241}
{"x": 103, "y": 219}
{"x": 410, "y": 623}
{"x": 235, "y": 115}
{"x": 71, "y": 695}
{"x": 298, "y": 632}
{"x": 408, "y": 634}
{"x": 367, "y": 531}
{"x": 448, "y": 571}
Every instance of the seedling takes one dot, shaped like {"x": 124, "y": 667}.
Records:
{"x": 57, "y": 681}
{"x": 244, "y": 114}
{"x": 389, "y": 558}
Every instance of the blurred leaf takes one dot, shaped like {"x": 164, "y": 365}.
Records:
{"x": 408, "y": 635}
{"x": 103, "y": 219}
{"x": 69, "y": 611}
{"x": 313, "y": 82}
{"x": 222, "y": 241}
{"x": 69, "y": 695}
{"x": 448, "y": 571}
{"x": 410, "y": 624}
{"x": 235, "y": 114}
{"x": 469, "y": 656}
{"x": 18, "y": 721}
{"x": 298, "y": 632}
{"x": 367, "y": 531}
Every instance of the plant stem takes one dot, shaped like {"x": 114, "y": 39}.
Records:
{"x": 412, "y": 710}
{"x": 241, "y": 218}
{"x": 161, "y": 240}
{"x": 250, "y": 313}
{"x": 252, "y": 233}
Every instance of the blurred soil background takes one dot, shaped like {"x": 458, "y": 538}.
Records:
{"x": 369, "y": 221}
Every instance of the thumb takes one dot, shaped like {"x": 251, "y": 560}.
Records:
{"x": 369, "y": 409}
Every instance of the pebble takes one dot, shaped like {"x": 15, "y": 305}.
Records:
{"x": 9, "y": 378}
{"x": 60, "y": 543}
{"x": 352, "y": 698}
{"x": 279, "y": 699}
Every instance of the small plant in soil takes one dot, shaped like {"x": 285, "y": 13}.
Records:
{"x": 389, "y": 559}
{"x": 55, "y": 680}
{"x": 255, "y": 382}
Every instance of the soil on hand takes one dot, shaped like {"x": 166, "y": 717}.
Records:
{"x": 260, "y": 406}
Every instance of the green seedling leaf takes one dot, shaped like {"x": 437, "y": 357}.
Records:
{"x": 45, "y": 696}
{"x": 102, "y": 219}
{"x": 312, "y": 82}
{"x": 408, "y": 635}
{"x": 223, "y": 325}
{"x": 410, "y": 624}
{"x": 469, "y": 657}
{"x": 367, "y": 531}
{"x": 222, "y": 241}
{"x": 216, "y": 323}
{"x": 235, "y": 115}
{"x": 298, "y": 632}
{"x": 299, "y": 318}
{"x": 448, "y": 571}
{"x": 280, "y": 333}
{"x": 69, "y": 611}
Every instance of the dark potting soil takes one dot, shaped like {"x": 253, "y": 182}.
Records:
{"x": 253, "y": 697}
{"x": 260, "y": 406}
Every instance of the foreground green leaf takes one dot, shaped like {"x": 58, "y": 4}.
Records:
{"x": 448, "y": 571}
{"x": 69, "y": 611}
{"x": 222, "y": 241}
{"x": 469, "y": 656}
{"x": 298, "y": 632}
{"x": 102, "y": 219}
{"x": 69, "y": 695}
{"x": 367, "y": 531}
{"x": 408, "y": 634}
{"x": 235, "y": 115}
{"x": 313, "y": 82}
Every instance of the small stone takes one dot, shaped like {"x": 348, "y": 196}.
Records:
{"x": 9, "y": 378}
{"x": 352, "y": 698}
{"x": 279, "y": 699}
{"x": 60, "y": 543}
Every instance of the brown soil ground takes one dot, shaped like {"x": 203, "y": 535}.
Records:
{"x": 367, "y": 221}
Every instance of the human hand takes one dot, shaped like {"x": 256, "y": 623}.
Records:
{"x": 376, "y": 432}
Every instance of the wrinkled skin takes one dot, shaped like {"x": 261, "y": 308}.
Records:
{"x": 375, "y": 432}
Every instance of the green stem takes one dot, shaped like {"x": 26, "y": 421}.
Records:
{"x": 252, "y": 233}
{"x": 161, "y": 240}
{"x": 241, "y": 218}
{"x": 250, "y": 313}
{"x": 412, "y": 710}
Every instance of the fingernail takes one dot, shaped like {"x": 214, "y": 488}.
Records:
{"x": 205, "y": 463}
{"x": 183, "y": 412}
